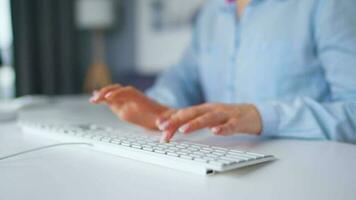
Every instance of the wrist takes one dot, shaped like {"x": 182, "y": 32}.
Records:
{"x": 257, "y": 119}
{"x": 249, "y": 119}
{"x": 269, "y": 117}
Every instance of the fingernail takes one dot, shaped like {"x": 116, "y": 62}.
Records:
{"x": 96, "y": 96}
{"x": 215, "y": 129}
{"x": 108, "y": 95}
{"x": 93, "y": 99}
{"x": 184, "y": 128}
{"x": 164, "y": 138}
{"x": 163, "y": 125}
{"x": 159, "y": 121}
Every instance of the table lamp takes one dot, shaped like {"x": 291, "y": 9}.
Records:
{"x": 96, "y": 16}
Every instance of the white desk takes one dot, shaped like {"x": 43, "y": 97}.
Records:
{"x": 305, "y": 169}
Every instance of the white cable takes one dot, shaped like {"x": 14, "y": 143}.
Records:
{"x": 43, "y": 147}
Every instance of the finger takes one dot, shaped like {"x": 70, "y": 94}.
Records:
{"x": 99, "y": 96}
{"x": 171, "y": 126}
{"x": 207, "y": 120}
{"x": 95, "y": 92}
{"x": 116, "y": 106}
{"x": 94, "y": 96}
{"x": 118, "y": 98}
{"x": 120, "y": 93}
{"x": 167, "y": 136}
{"x": 109, "y": 89}
{"x": 164, "y": 117}
{"x": 182, "y": 116}
{"x": 229, "y": 128}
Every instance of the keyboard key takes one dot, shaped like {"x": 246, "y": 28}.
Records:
{"x": 151, "y": 144}
{"x": 173, "y": 148}
{"x": 159, "y": 151}
{"x": 218, "y": 164}
{"x": 218, "y": 153}
{"x": 183, "y": 153}
{"x": 255, "y": 154}
{"x": 147, "y": 149}
{"x": 232, "y": 159}
{"x": 115, "y": 141}
{"x": 136, "y": 146}
{"x": 244, "y": 155}
{"x": 147, "y": 146}
{"x": 141, "y": 141}
{"x": 237, "y": 157}
{"x": 192, "y": 149}
{"x": 159, "y": 148}
{"x": 198, "y": 153}
{"x": 205, "y": 151}
{"x": 180, "y": 146}
{"x": 195, "y": 146}
{"x": 105, "y": 139}
{"x": 126, "y": 144}
{"x": 172, "y": 154}
{"x": 226, "y": 162}
{"x": 236, "y": 151}
{"x": 201, "y": 160}
{"x": 186, "y": 157}
{"x": 212, "y": 156}
{"x": 220, "y": 148}
{"x": 169, "y": 150}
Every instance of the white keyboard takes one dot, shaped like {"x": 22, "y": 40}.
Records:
{"x": 187, "y": 156}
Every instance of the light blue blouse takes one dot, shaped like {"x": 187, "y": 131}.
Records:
{"x": 294, "y": 59}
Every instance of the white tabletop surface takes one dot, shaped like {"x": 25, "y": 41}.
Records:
{"x": 304, "y": 169}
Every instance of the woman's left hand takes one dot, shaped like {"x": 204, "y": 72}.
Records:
{"x": 222, "y": 119}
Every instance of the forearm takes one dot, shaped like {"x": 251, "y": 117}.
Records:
{"x": 307, "y": 118}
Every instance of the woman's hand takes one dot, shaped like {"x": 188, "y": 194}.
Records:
{"x": 222, "y": 119}
{"x": 130, "y": 105}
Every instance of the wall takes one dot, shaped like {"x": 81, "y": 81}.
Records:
{"x": 121, "y": 42}
{"x": 5, "y": 30}
{"x": 156, "y": 50}
{"x": 7, "y": 76}
{"x": 133, "y": 47}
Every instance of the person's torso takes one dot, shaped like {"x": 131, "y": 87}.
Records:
{"x": 269, "y": 54}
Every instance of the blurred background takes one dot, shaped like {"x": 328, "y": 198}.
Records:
{"x": 56, "y": 47}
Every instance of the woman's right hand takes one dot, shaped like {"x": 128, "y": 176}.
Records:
{"x": 131, "y": 105}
